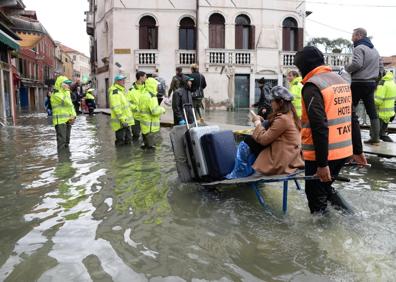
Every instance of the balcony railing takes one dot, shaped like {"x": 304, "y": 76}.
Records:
{"x": 331, "y": 59}
{"x": 146, "y": 57}
{"x": 186, "y": 57}
{"x": 229, "y": 57}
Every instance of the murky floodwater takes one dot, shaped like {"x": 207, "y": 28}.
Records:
{"x": 103, "y": 214}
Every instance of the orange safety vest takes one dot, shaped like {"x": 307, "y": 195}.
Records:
{"x": 337, "y": 99}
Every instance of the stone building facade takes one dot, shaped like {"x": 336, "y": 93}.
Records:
{"x": 234, "y": 42}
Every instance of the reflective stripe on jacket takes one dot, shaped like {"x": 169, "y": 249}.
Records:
{"x": 337, "y": 98}
{"x": 295, "y": 89}
{"x": 385, "y": 96}
{"x": 133, "y": 95}
{"x": 120, "y": 108}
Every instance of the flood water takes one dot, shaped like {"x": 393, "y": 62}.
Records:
{"x": 101, "y": 214}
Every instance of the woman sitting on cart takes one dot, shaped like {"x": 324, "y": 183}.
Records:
{"x": 274, "y": 148}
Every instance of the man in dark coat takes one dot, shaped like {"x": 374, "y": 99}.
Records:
{"x": 197, "y": 90}
{"x": 181, "y": 97}
{"x": 263, "y": 105}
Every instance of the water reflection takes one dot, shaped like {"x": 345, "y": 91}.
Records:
{"x": 101, "y": 213}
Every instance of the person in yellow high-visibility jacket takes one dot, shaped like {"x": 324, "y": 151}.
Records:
{"x": 63, "y": 113}
{"x": 295, "y": 88}
{"x": 90, "y": 100}
{"x": 150, "y": 113}
{"x": 385, "y": 96}
{"x": 121, "y": 115}
{"x": 133, "y": 96}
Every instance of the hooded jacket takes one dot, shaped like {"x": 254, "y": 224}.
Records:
{"x": 385, "y": 96}
{"x": 149, "y": 110}
{"x": 366, "y": 62}
{"x": 62, "y": 105}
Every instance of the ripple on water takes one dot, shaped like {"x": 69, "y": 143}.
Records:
{"x": 122, "y": 214}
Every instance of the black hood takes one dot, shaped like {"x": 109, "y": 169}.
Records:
{"x": 308, "y": 59}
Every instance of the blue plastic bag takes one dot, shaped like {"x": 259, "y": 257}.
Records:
{"x": 243, "y": 162}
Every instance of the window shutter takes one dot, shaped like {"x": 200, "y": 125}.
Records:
{"x": 221, "y": 35}
{"x": 252, "y": 37}
{"x": 300, "y": 40}
{"x": 155, "y": 41}
{"x": 238, "y": 36}
{"x": 212, "y": 36}
{"x": 286, "y": 39}
{"x": 143, "y": 37}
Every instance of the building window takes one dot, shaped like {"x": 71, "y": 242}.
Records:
{"x": 148, "y": 33}
{"x": 292, "y": 36}
{"x": 187, "y": 34}
{"x": 244, "y": 33}
{"x": 216, "y": 31}
{"x": 3, "y": 53}
{"x": 74, "y": 57}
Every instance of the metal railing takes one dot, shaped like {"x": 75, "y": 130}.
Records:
{"x": 227, "y": 57}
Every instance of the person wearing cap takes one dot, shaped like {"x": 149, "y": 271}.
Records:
{"x": 133, "y": 96}
{"x": 149, "y": 113}
{"x": 90, "y": 100}
{"x": 326, "y": 128}
{"x": 180, "y": 97}
{"x": 295, "y": 87}
{"x": 121, "y": 115}
{"x": 277, "y": 146}
{"x": 63, "y": 112}
{"x": 263, "y": 105}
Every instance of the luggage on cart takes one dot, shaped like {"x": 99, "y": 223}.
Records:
{"x": 192, "y": 142}
{"x": 220, "y": 151}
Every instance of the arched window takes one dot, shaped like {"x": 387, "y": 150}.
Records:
{"x": 292, "y": 36}
{"x": 148, "y": 33}
{"x": 187, "y": 34}
{"x": 244, "y": 33}
{"x": 216, "y": 31}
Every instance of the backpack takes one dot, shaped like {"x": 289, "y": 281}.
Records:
{"x": 198, "y": 93}
{"x": 161, "y": 87}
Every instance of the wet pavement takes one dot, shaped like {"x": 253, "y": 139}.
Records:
{"x": 101, "y": 214}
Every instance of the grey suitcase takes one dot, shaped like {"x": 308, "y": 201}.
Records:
{"x": 192, "y": 143}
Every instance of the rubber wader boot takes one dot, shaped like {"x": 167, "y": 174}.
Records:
{"x": 374, "y": 132}
{"x": 383, "y": 136}
{"x": 339, "y": 203}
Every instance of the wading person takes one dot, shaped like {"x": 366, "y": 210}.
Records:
{"x": 180, "y": 97}
{"x": 76, "y": 96}
{"x": 133, "y": 96}
{"x": 63, "y": 112}
{"x": 326, "y": 128}
{"x": 175, "y": 83}
{"x": 295, "y": 89}
{"x": 263, "y": 105}
{"x": 197, "y": 90}
{"x": 121, "y": 115}
{"x": 90, "y": 101}
{"x": 149, "y": 113}
{"x": 365, "y": 69}
{"x": 385, "y": 96}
